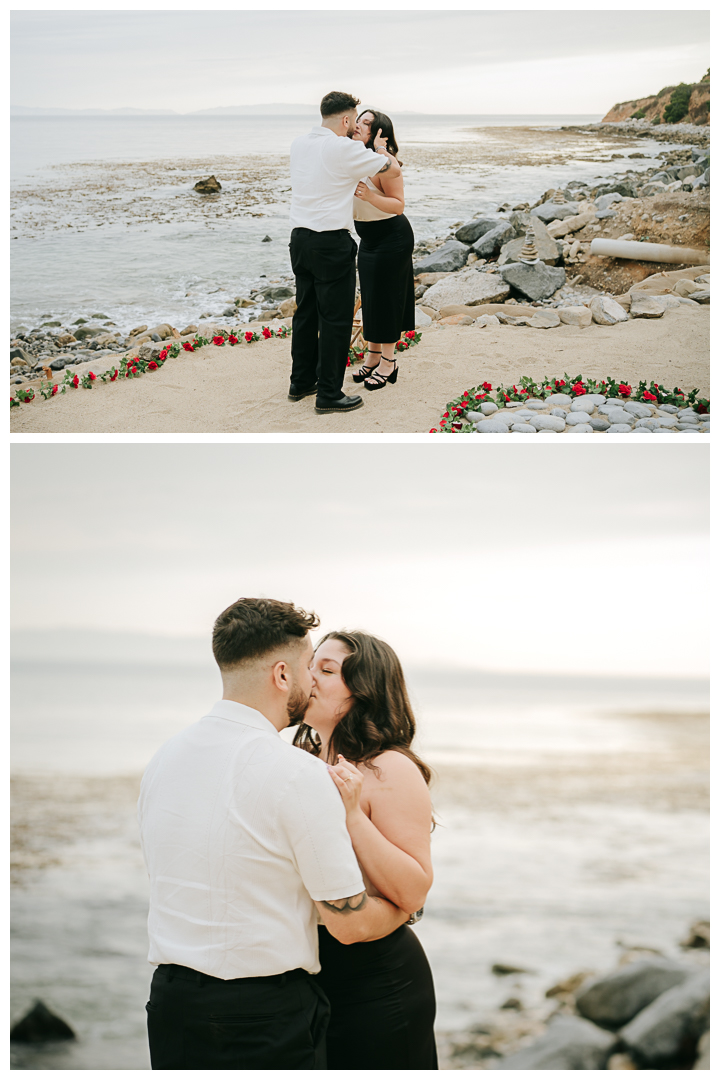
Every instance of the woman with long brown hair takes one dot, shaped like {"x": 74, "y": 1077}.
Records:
{"x": 361, "y": 723}
{"x": 387, "y": 285}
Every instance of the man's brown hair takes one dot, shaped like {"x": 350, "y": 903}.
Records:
{"x": 336, "y": 102}
{"x": 252, "y": 628}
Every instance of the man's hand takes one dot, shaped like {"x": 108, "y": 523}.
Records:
{"x": 380, "y": 143}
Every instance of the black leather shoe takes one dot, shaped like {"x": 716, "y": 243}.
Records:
{"x": 341, "y": 404}
{"x": 298, "y": 395}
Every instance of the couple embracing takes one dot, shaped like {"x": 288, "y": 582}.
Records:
{"x": 346, "y": 171}
{"x": 283, "y": 878}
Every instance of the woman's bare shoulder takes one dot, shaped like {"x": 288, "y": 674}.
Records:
{"x": 395, "y": 766}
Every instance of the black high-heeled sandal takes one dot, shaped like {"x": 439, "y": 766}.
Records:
{"x": 365, "y": 371}
{"x": 391, "y": 378}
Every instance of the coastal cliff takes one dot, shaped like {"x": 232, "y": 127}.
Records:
{"x": 687, "y": 102}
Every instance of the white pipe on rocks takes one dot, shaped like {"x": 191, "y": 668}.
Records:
{"x": 635, "y": 249}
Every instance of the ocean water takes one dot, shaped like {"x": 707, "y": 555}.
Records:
{"x": 571, "y": 824}
{"x": 105, "y": 220}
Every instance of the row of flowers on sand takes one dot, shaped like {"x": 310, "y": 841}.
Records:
{"x": 133, "y": 367}
{"x": 454, "y": 419}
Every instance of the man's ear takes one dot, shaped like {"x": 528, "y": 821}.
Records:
{"x": 279, "y": 676}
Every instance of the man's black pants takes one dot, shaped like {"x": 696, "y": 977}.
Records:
{"x": 324, "y": 268}
{"x": 196, "y": 1021}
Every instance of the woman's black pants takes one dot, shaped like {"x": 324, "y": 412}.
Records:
{"x": 196, "y": 1021}
{"x": 324, "y": 267}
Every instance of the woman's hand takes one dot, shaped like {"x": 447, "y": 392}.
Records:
{"x": 362, "y": 191}
{"x": 348, "y": 781}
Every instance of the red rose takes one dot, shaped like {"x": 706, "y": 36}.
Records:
{"x": 152, "y": 366}
{"x": 433, "y": 429}
{"x": 579, "y": 389}
{"x": 446, "y": 414}
{"x": 361, "y": 356}
{"x": 559, "y": 382}
{"x": 232, "y": 339}
{"x": 248, "y": 336}
{"x": 348, "y": 362}
{"x": 162, "y": 355}
{"x": 487, "y": 386}
{"x": 410, "y": 334}
{"x": 91, "y": 376}
{"x": 700, "y": 408}
{"x": 114, "y": 375}
{"x": 624, "y": 390}
{"x": 647, "y": 396}
{"x": 54, "y": 389}
{"x": 266, "y": 332}
{"x": 188, "y": 347}
{"x": 218, "y": 340}
{"x": 76, "y": 382}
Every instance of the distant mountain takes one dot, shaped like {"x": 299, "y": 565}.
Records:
{"x": 41, "y": 110}
{"x": 65, "y": 645}
{"x": 259, "y": 110}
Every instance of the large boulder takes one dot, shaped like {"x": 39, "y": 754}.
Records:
{"x": 550, "y": 211}
{"x": 546, "y": 246}
{"x": 569, "y": 1043}
{"x": 41, "y": 1025}
{"x": 469, "y": 287}
{"x": 210, "y": 186}
{"x": 473, "y": 230}
{"x": 622, "y": 187}
{"x": 84, "y": 332}
{"x": 613, "y": 1000}
{"x": 534, "y": 281}
{"x": 489, "y": 244}
{"x": 606, "y": 311}
{"x": 451, "y": 256}
{"x": 668, "y": 1030}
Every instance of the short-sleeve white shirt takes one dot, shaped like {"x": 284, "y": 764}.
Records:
{"x": 324, "y": 171}
{"x": 240, "y": 832}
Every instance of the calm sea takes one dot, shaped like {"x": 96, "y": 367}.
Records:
{"x": 105, "y": 220}
{"x": 570, "y": 812}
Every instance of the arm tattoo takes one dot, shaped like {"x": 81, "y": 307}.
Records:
{"x": 347, "y": 905}
{"x": 385, "y": 167}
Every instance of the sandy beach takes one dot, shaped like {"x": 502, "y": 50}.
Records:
{"x": 244, "y": 389}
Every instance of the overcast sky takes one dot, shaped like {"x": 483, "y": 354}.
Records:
{"x": 559, "y": 61}
{"x": 560, "y": 558}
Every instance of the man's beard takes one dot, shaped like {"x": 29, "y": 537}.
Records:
{"x": 297, "y": 706}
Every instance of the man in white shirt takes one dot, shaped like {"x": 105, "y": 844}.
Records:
{"x": 244, "y": 839}
{"x": 325, "y": 167}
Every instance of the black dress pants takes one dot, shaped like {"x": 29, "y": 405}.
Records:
{"x": 196, "y": 1021}
{"x": 324, "y": 268}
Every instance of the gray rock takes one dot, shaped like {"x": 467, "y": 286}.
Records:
{"x": 621, "y": 187}
{"x": 558, "y": 412}
{"x": 473, "y": 230}
{"x": 606, "y": 311}
{"x": 488, "y": 408}
{"x": 490, "y": 426}
{"x": 451, "y": 256}
{"x": 469, "y": 287}
{"x": 635, "y": 408}
{"x": 575, "y": 315}
{"x": 59, "y": 363}
{"x": 474, "y": 416}
{"x": 688, "y": 415}
{"x": 534, "y": 281}
{"x": 492, "y": 241}
{"x": 558, "y": 399}
{"x": 602, "y": 214}
{"x": 702, "y": 297}
{"x": 646, "y": 307}
{"x": 546, "y": 245}
{"x": 545, "y": 422}
{"x": 598, "y": 424}
{"x": 587, "y": 402}
{"x": 521, "y": 414}
{"x": 665, "y": 421}
{"x": 620, "y": 416}
{"x": 619, "y": 429}
{"x": 523, "y": 427}
{"x": 670, "y": 1026}
{"x": 569, "y": 1043}
{"x": 583, "y": 429}
{"x": 574, "y": 418}
{"x": 550, "y": 211}
{"x": 545, "y": 320}
{"x": 534, "y": 403}
{"x": 604, "y": 201}
{"x": 682, "y": 425}
{"x": 18, "y": 353}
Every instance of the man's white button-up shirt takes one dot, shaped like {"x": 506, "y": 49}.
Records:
{"x": 324, "y": 171}
{"x": 240, "y": 833}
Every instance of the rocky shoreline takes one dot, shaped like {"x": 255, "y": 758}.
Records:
{"x": 480, "y": 264}
{"x": 651, "y": 1012}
